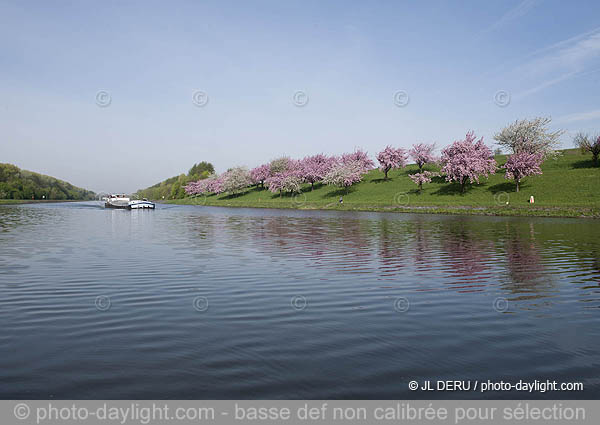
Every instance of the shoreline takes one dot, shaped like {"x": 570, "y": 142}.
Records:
{"x": 500, "y": 211}
{"x": 39, "y": 201}
{"x": 292, "y": 203}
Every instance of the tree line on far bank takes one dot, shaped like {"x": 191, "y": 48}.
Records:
{"x": 16, "y": 183}
{"x": 174, "y": 187}
{"x": 528, "y": 143}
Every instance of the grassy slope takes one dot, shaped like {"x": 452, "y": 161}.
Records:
{"x": 569, "y": 186}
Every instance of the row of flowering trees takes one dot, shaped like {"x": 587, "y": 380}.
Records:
{"x": 286, "y": 175}
{"x": 464, "y": 161}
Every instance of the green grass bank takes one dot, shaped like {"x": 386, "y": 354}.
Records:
{"x": 568, "y": 187}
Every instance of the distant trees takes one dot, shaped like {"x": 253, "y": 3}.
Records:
{"x": 175, "y": 187}
{"x": 201, "y": 168}
{"x": 531, "y": 136}
{"x": 588, "y": 143}
{"x": 465, "y": 161}
{"x": 178, "y": 187}
{"x": 22, "y": 184}
{"x": 390, "y": 158}
{"x": 422, "y": 153}
{"x": 9, "y": 172}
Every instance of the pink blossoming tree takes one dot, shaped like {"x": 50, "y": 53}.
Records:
{"x": 195, "y": 188}
{"x": 284, "y": 181}
{"x": 390, "y": 158}
{"x": 215, "y": 185}
{"x": 285, "y": 176}
{"x": 260, "y": 174}
{"x": 212, "y": 184}
{"x": 422, "y": 153}
{"x": 421, "y": 178}
{"x": 523, "y": 164}
{"x": 465, "y": 161}
{"x": 345, "y": 174}
{"x": 358, "y": 158}
{"x": 312, "y": 169}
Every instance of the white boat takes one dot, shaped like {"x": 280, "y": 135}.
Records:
{"x": 118, "y": 200}
{"x": 143, "y": 204}
{"x": 122, "y": 201}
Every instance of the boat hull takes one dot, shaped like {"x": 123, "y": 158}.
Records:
{"x": 117, "y": 206}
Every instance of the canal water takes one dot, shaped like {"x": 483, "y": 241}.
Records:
{"x": 203, "y": 302}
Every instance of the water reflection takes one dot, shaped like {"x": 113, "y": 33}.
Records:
{"x": 459, "y": 253}
{"x": 466, "y": 257}
{"x": 393, "y": 248}
{"x": 524, "y": 263}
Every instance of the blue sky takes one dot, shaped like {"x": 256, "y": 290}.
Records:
{"x": 350, "y": 58}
